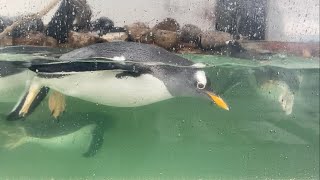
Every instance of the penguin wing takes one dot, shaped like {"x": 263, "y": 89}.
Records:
{"x": 65, "y": 68}
{"x": 127, "y": 51}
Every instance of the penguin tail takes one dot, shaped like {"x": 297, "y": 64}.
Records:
{"x": 21, "y": 64}
{"x": 28, "y": 102}
{"x": 27, "y": 64}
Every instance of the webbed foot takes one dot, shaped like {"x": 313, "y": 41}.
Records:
{"x": 57, "y": 104}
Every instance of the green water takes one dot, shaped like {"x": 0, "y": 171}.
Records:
{"x": 183, "y": 138}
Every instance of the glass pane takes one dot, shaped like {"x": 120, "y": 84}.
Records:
{"x": 171, "y": 89}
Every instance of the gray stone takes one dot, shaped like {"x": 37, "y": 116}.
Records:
{"x": 139, "y": 32}
{"x": 214, "y": 39}
{"x": 190, "y": 34}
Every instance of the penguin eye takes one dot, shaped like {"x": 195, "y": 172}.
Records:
{"x": 200, "y": 85}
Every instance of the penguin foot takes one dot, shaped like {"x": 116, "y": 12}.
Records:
{"x": 15, "y": 139}
{"x": 31, "y": 96}
{"x": 31, "y": 99}
{"x": 57, "y": 104}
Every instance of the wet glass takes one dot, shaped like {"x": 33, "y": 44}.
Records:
{"x": 267, "y": 72}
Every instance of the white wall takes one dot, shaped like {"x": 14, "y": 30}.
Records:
{"x": 288, "y": 20}
{"x": 198, "y": 12}
{"x": 293, "y": 20}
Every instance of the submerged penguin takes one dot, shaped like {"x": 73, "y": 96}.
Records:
{"x": 279, "y": 85}
{"x": 121, "y": 74}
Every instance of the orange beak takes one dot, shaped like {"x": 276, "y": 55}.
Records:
{"x": 218, "y": 100}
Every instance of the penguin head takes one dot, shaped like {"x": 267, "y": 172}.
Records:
{"x": 189, "y": 82}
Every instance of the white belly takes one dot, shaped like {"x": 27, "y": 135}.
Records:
{"x": 102, "y": 87}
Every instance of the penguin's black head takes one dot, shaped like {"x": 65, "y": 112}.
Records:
{"x": 188, "y": 81}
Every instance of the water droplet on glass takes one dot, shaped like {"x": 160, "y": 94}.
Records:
{"x": 272, "y": 131}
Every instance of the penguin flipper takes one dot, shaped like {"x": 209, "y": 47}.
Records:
{"x": 96, "y": 142}
{"x": 29, "y": 102}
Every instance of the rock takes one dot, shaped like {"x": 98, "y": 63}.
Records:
{"x": 83, "y": 14}
{"x": 29, "y": 32}
{"x": 35, "y": 39}
{"x": 115, "y": 36}
{"x": 77, "y": 39}
{"x": 214, "y": 39}
{"x": 166, "y": 33}
{"x": 4, "y": 22}
{"x": 70, "y": 15}
{"x": 147, "y": 38}
{"x": 188, "y": 48}
{"x": 50, "y": 42}
{"x": 190, "y": 34}
{"x": 168, "y": 24}
{"x": 102, "y": 25}
{"x": 28, "y": 28}
{"x": 139, "y": 32}
{"x": 166, "y": 39}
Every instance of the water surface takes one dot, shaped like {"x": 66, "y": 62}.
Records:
{"x": 181, "y": 138}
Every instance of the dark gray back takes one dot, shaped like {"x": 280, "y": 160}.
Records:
{"x": 132, "y": 51}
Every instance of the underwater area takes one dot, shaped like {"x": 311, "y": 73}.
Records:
{"x": 270, "y": 132}
{"x": 164, "y": 90}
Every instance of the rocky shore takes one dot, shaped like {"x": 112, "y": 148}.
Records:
{"x": 77, "y": 30}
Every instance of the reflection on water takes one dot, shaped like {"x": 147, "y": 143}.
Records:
{"x": 271, "y": 130}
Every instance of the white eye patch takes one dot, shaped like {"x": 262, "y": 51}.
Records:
{"x": 201, "y": 78}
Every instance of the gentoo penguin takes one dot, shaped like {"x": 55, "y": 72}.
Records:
{"x": 121, "y": 74}
{"x": 279, "y": 85}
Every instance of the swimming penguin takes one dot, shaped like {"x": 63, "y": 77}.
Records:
{"x": 121, "y": 74}
{"x": 279, "y": 85}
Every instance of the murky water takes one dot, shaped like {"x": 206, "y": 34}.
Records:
{"x": 271, "y": 131}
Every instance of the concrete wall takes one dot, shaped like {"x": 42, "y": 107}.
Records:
{"x": 198, "y": 12}
{"x": 293, "y": 20}
{"x": 288, "y": 20}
